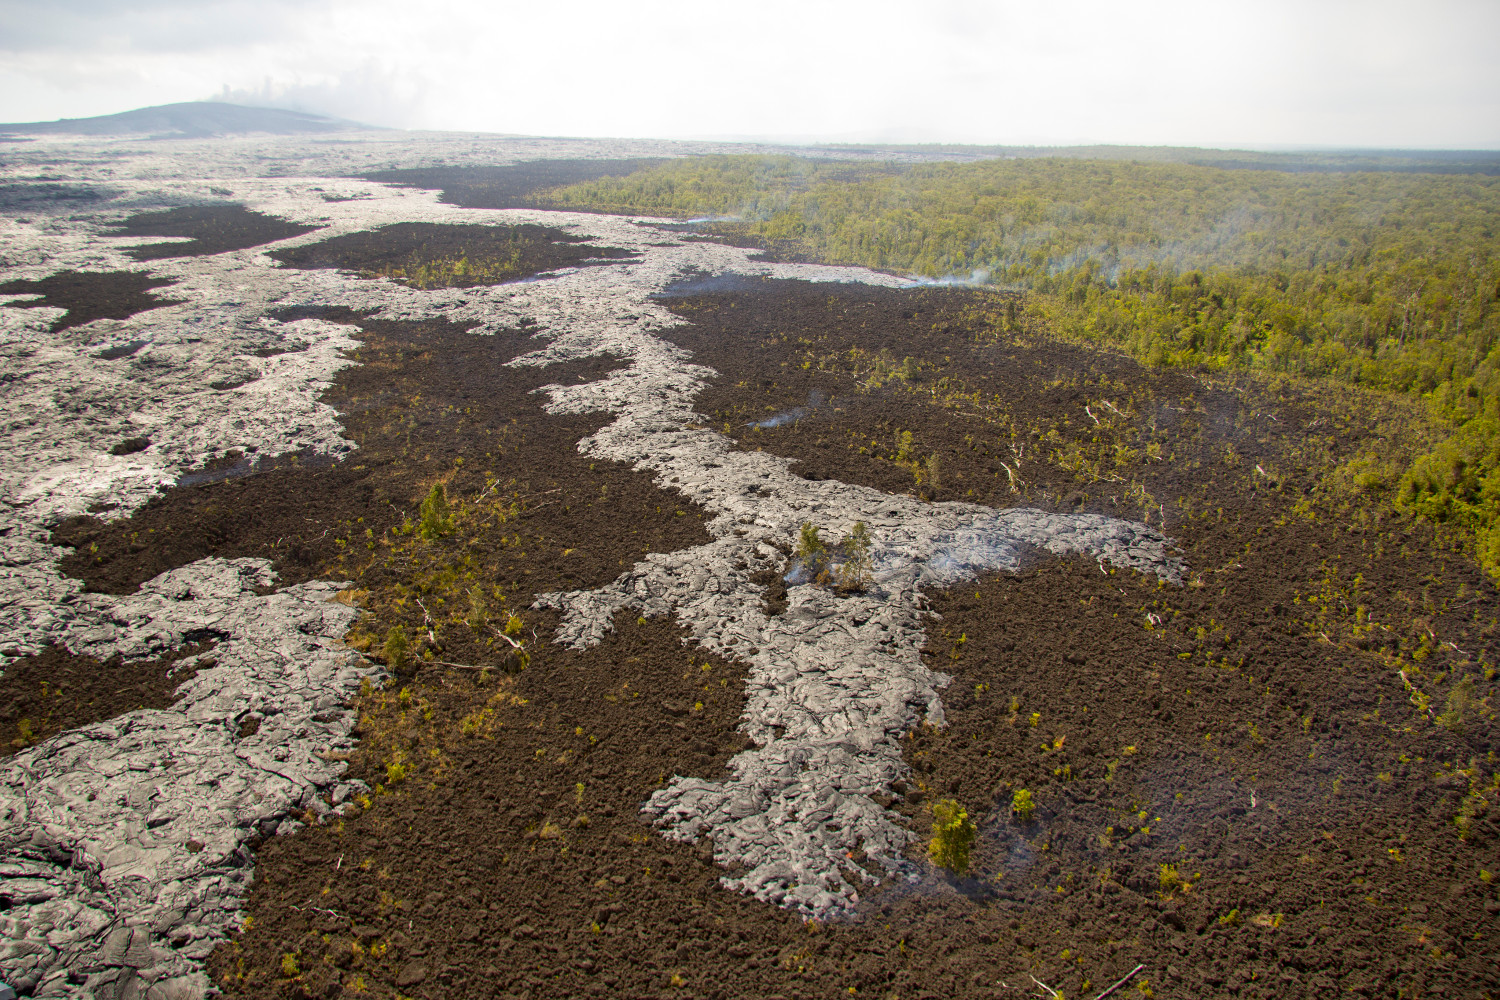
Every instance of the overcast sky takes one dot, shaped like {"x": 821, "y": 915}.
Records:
{"x": 1423, "y": 73}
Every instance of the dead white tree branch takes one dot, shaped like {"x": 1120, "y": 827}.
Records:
{"x": 460, "y": 666}
{"x": 1128, "y": 977}
{"x": 518, "y": 647}
{"x": 1054, "y": 993}
{"x": 427, "y": 620}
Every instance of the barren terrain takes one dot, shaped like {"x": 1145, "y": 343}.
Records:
{"x": 402, "y": 597}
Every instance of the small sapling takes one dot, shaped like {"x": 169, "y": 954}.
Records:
{"x": 396, "y": 648}
{"x": 437, "y": 518}
{"x": 953, "y": 834}
{"x": 1022, "y": 806}
{"x": 855, "y": 574}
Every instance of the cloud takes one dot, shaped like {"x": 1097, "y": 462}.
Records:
{"x": 153, "y": 28}
{"x": 1240, "y": 72}
{"x": 372, "y": 93}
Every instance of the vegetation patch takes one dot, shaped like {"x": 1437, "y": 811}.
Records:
{"x": 1385, "y": 281}
{"x": 843, "y": 565}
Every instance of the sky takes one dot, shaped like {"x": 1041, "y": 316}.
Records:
{"x": 1221, "y": 73}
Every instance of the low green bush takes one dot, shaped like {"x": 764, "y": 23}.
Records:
{"x": 953, "y": 835}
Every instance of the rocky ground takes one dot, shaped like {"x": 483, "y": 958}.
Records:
{"x": 375, "y": 623}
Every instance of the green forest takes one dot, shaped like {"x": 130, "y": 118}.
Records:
{"x": 1382, "y": 279}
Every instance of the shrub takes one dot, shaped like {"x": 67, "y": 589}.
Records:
{"x": 933, "y": 466}
{"x": 1022, "y": 806}
{"x": 809, "y": 545}
{"x": 855, "y": 573}
{"x": 812, "y": 554}
{"x": 474, "y": 721}
{"x": 513, "y": 628}
{"x": 437, "y": 519}
{"x": 396, "y": 648}
{"x": 953, "y": 836}
{"x": 479, "y": 609}
{"x": 1474, "y": 806}
{"x": 1460, "y": 699}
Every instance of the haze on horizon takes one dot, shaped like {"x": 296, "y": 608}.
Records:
{"x": 1262, "y": 74}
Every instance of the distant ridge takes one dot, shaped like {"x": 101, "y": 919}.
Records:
{"x": 190, "y": 120}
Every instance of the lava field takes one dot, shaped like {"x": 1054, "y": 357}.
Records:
{"x": 412, "y": 593}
